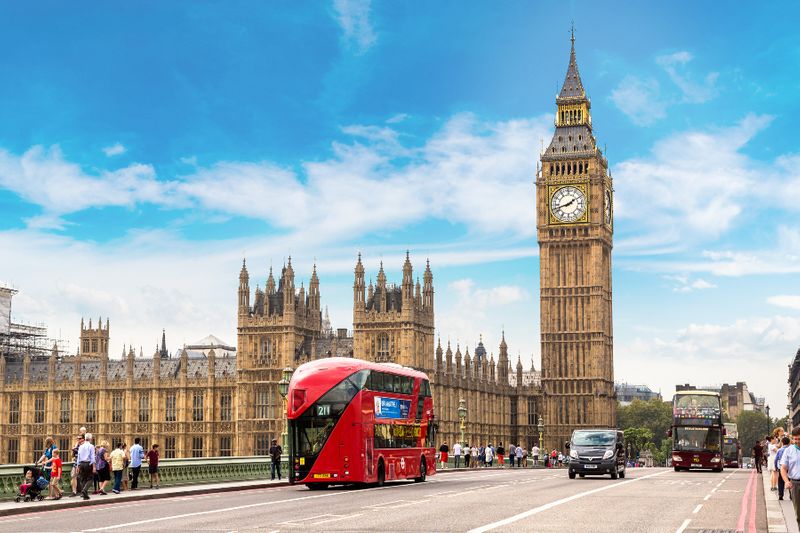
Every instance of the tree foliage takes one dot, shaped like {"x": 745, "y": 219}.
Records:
{"x": 752, "y": 426}
{"x": 655, "y": 415}
{"x": 640, "y": 439}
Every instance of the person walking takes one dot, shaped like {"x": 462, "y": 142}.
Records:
{"x": 118, "y": 466}
{"x": 86, "y": 465}
{"x": 75, "y": 474}
{"x": 785, "y": 440}
{"x": 137, "y": 455}
{"x": 772, "y": 448}
{"x": 519, "y": 455}
{"x": 456, "y": 454}
{"x": 790, "y": 471}
{"x": 474, "y": 458}
{"x": 152, "y": 466}
{"x": 524, "y": 457}
{"x": 758, "y": 455}
{"x": 535, "y": 455}
{"x": 47, "y": 454}
{"x": 466, "y": 455}
{"x": 512, "y": 453}
{"x": 488, "y": 456}
{"x": 56, "y": 469}
{"x": 482, "y": 456}
{"x": 125, "y": 466}
{"x": 103, "y": 467}
{"x": 501, "y": 453}
{"x": 275, "y": 452}
{"x": 444, "y": 449}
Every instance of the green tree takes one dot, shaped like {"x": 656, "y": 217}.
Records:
{"x": 752, "y": 426}
{"x": 640, "y": 439}
{"x": 654, "y": 415}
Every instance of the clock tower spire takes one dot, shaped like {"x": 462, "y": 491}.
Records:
{"x": 575, "y": 230}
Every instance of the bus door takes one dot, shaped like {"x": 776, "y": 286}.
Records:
{"x": 369, "y": 453}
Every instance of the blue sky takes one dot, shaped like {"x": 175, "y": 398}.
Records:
{"x": 144, "y": 150}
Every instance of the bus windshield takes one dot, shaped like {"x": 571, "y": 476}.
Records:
{"x": 593, "y": 438}
{"x": 697, "y": 439}
{"x": 697, "y": 401}
{"x": 312, "y": 428}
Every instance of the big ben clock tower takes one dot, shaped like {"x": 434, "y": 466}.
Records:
{"x": 574, "y": 209}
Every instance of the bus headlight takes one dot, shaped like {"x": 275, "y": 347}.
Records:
{"x": 715, "y": 459}
{"x": 677, "y": 458}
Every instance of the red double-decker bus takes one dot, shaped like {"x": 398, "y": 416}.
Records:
{"x": 697, "y": 431}
{"x": 353, "y": 421}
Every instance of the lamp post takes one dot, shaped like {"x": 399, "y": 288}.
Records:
{"x": 283, "y": 389}
{"x": 540, "y": 427}
{"x": 768, "y": 424}
{"x": 462, "y": 415}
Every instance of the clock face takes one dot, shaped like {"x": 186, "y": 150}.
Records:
{"x": 608, "y": 207}
{"x": 568, "y": 204}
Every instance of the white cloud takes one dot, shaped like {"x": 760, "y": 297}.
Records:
{"x": 695, "y": 93}
{"x": 400, "y": 117}
{"x": 684, "y": 283}
{"x": 792, "y": 301}
{"x": 353, "y": 18}
{"x": 640, "y": 100}
{"x": 756, "y": 350}
{"x": 114, "y": 149}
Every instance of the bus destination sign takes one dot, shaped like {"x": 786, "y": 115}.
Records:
{"x": 391, "y": 407}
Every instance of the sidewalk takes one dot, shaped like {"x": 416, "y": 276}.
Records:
{"x": 780, "y": 513}
{"x": 11, "y": 507}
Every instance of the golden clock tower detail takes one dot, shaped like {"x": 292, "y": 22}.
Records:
{"x": 574, "y": 210}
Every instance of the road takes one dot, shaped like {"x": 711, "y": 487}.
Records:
{"x": 648, "y": 500}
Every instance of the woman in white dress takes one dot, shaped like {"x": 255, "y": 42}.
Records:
{"x": 773, "y": 473}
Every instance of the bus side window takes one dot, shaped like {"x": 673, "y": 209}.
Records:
{"x": 398, "y": 384}
{"x": 377, "y": 381}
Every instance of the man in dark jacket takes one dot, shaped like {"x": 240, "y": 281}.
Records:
{"x": 758, "y": 455}
{"x": 275, "y": 453}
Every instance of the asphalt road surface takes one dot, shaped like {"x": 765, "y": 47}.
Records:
{"x": 649, "y": 499}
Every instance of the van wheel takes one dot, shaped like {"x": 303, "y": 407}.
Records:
{"x": 571, "y": 474}
{"x": 381, "y": 474}
{"x": 423, "y": 471}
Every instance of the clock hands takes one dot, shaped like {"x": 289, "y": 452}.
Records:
{"x": 562, "y": 206}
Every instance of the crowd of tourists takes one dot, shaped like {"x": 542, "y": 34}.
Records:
{"x": 780, "y": 453}
{"x": 480, "y": 456}
{"x": 95, "y": 465}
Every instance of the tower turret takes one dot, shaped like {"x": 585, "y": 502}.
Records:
{"x": 502, "y": 361}
{"x": 427, "y": 289}
{"x": 439, "y": 363}
{"x": 244, "y": 289}
{"x": 358, "y": 285}
{"x": 314, "y": 303}
{"x": 408, "y": 280}
{"x": 270, "y": 282}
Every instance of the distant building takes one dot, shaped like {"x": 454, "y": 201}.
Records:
{"x": 794, "y": 391}
{"x": 627, "y": 392}
{"x": 736, "y": 399}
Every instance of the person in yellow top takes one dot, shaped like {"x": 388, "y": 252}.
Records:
{"x": 117, "y": 465}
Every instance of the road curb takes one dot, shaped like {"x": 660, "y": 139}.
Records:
{"x": 776, "y": 522}
{"x": 70, "y": 503}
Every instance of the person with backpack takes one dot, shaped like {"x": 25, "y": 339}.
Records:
{"x": 501, "y": 452}
{"x": 275, "y": 452}
{"x": 444, "y": 449}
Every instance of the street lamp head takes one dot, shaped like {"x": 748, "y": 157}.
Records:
{"x": 283, "y": 387}
{"x": 540, "y": 425}
{"x": 287, "y": 373}
{"x": 462, "y": 409}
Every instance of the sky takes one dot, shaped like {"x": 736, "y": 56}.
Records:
{"x": 147, "y": 148}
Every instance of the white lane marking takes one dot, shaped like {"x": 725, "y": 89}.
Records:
{"x": 298, "y": 520}
{"x": 697, "y": 509}
{"x": 342, "y": 517}
{"x": 545, "y": 507}
{"x": 707, "y": 497}
{"x": 683, "y": 526}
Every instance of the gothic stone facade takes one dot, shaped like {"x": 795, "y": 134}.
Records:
{"x": 574, "y": 210}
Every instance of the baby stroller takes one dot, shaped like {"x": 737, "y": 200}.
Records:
{"x": 35, "y": 483}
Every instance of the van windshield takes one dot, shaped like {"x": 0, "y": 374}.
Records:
{"x": 593, "y": 438}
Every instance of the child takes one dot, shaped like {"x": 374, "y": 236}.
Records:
{"x": 55, "y": 475}
{"x": 23, "y": 489}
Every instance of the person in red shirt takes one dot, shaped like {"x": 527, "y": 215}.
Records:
{"x": 55, "y": 475}
{"x": 152, "y": 460}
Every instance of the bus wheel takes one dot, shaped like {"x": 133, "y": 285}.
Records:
{"x": 381, "y": 474}
{"x": 677, "y": 469}
{"x": 317, "y": 486}
{"x": 423, "y": 471}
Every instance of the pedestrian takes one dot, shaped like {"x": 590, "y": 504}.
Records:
{"x": 56, "y": 469}
{"x": 772, "y": 448}
{"x": 785, "y": 440}
{"x": 118, "y": 466}
{"x": 444, "y": 449}
{"x": 535, "y": 455}
{"x": 482, "y": 456}
{"x": 75, "y": 473}
{"x": 790, "y": 471}
{"x": 152, "y": 466}
{"x": 501, "y": 452}
{"x": 524, "y": 457}
{"x": 474, "y": 457}
{"x": 275, "y": 452}
{"x": 512, "y": 453}
{"x": 137, "y": 455}
{"x": 466, "y": 455}
{"x": 456, "y": 454}
{"x": 47, "y": 454}
{"x": 519, "y": 455}
{"x": 86, "y": 465}
{"x": 758, "y": 455}
{"x": 488, "y": 456}
{"x": 103, "y": 467}
{"x": 125, "y": 466}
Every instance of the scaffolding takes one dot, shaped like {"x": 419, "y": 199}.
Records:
{"x": 18, "y": 339}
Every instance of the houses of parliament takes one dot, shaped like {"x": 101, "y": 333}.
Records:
{"x": 211, "y": 400}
